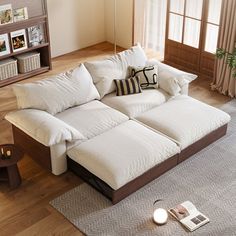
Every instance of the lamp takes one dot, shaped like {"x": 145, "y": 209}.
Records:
{"x": 160, "y": 215}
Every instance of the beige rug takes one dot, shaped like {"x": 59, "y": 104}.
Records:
{"x": 208, "y": 179}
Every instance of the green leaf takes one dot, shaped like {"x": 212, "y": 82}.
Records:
{"x": 234, "y": 74}
{"x": 230, "y": 58}
{"x": 220, "y": 53}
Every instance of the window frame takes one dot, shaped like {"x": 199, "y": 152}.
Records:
{"x": 203, "y": 25}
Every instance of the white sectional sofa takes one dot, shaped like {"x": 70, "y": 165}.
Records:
{"x": 116, "y": 143}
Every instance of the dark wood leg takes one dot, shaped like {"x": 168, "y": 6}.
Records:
{"x": 13, "y": 176}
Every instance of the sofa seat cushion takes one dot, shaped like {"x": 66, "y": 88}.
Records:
{"x": 133, "y": 105}
{"x": 92, "y": 118}
{"x": 133, "y": 149}
{"x": 184, "y": 119}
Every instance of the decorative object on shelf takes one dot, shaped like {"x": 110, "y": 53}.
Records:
{"x": 8, "y": 68}
{"x": 230, "y": 58}
{"x": 5, "y": 154}
{"x": 6, "y": 15}
{"x": 160, "y": 215}
{"x": 19, "y": 40}
{"x": 8, "y": 154}
{"x": 36, "y": 35}
{"x": 2, "y": 153}
{"x": 20, "y": 14}
{"x": 28, "y": 62}
{"x": 4, "y": 45}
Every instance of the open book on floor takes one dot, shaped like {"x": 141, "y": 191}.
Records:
{"x": 188, "y": 215}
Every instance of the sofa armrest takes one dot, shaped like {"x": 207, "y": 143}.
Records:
{"x": 183, "y": 78}
{"x": 183, "y": 84}
{"x": 176, "y": 72}
{"x": 43, "y": 127}
{"x": 184, "y": 89}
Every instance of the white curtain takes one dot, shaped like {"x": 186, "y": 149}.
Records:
{"x": 150, "y": 24}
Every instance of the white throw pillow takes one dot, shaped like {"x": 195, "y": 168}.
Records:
{"x": 168, "y": 83}
{"x": 105, "y": 71}
{"x": 148, "y": 75}
{"x": 57, "y": 93}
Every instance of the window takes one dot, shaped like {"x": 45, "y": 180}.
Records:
{"x": 185, "y": 21}
{"x": 192, "y": 34}
{"x": 212, "y": 25}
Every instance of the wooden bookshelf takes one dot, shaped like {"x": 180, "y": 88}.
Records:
{"x": 37, "y": 12}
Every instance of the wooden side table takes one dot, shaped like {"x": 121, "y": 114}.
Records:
{"x": 8, "y": 167}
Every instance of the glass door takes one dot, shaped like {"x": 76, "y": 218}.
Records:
{"x": 184, "y": 24}
{"x": 192, "y": 33}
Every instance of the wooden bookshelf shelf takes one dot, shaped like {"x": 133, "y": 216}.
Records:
{"x": 24, "y": 76}
{"x": 24, "y": 51}
{"x": 37, "y": 12}
{"x": 23, "y": 24}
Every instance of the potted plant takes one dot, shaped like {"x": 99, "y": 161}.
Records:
{"x": 230, "y": 58}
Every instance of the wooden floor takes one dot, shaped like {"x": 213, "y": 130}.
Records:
{"x": 26, "y": 210}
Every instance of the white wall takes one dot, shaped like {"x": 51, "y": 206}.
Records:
{"x": 124, "y": 22}
{"x": 75, "y": 24}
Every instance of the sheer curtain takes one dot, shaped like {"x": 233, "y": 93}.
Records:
{"x": 150, "y": 24}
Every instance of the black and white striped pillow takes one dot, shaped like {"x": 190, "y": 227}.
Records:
{"x": 127, "y": 86}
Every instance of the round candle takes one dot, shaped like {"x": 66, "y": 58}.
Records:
{"x": 160, "y": 216}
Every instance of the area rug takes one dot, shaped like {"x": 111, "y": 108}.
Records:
{"x": 207, "y": 179}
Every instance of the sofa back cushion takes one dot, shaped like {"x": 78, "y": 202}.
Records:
{"x": 105, "y": 71}
{"x": 56, "y": 94}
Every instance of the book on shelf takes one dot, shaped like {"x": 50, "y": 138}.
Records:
{"x": 4, "y": 45}
{"x": 19, "y": 40}
{"x": 20, "y": 14}
{"x": 6, "y": 16}
{"x": 188, "y": 215}
{"x": 36, "y": 35}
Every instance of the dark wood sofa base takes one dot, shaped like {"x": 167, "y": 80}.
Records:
{"x": 37, "y": 151}
{"x": 202, "y": 143}
{"x": 117, "y": 195}
{"x": 41, "y": 154}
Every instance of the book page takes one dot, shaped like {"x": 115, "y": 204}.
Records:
{"x": 187, "y": 214}
{"x": 194, "y": 221}
{"x": 183, "y": 210}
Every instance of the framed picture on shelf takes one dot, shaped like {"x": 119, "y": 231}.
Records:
{"x": 6, "y": 15}
{"x": 20, "y": 14}
{"x": 18, "y": 40}
{"x": 36, "y": 35}
{"x": 4, "y": 45}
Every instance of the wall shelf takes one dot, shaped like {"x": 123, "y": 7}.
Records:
{"x": 37, "y": 16}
